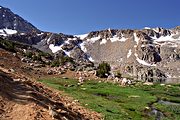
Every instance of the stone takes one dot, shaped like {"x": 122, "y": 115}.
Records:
{"x": 80, "y": 79}
{"x": 17, "y": 80}
{"x": 125, "y": 82}
{"x": 14, "y": 54}
{"x": 68, "y": 47}
{"x": 11, "y": 70}
{"x": 64, "y": 77}
{"x": 148, "y": 83}
{"x": 49, "y": 72}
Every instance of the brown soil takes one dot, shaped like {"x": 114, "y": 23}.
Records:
{"x": 23, "y": 98}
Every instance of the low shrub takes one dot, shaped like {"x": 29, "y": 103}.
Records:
{"x": 103, "y": 70}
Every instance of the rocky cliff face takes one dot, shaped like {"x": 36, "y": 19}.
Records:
{"x": 150, "y": 54}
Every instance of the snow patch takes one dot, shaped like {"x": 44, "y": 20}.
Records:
{"x": 10, "y": 31}
{"x": 143, "y": 62}
{"x": 69, "y": 38}
{"x": 123, "y": 39}
{"x": 129, "y": 53}
{"x": 54, "y": 48}
{"x": 82, "y": 36}
{"x": 166, "y": 39}
{"x": 82, "y": 46}
{"x": 74, "y": 38}
{"x": 67, "y": 53}
{"x": 147, "y": 28}
{"x": 67, "y": 42}
{"x": 115, "y": 38}
{"x": 154, "y": 37}
{"x": 94, "y": 39}
{"x": 90, "y": 58}
{"x": 6, "y": 32}
{"x": 48, "y": 40}
{"x": 40, "y": 34}
{"x": 22, "y": 33}
{"x": 136, "y": 39}
{"x": 104, "y": 41}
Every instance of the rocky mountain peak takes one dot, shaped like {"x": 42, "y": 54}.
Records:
{"x": 142, "y": 35}
{"x": 162, "y": 31}
{"x": 11, "y": 21}
{"x": 110, "y": 33}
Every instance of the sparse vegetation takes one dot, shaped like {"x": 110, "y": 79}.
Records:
{"x": 103, "y": 70}
{"x": 28, "y": 54}
{"x": 46, "y": 55}
{"x": 32, "y": 55}
{"x": 61, "y": 61}
{"x": 65, "y": 59}
{"x": 55, "y": 63}
{"x": 37, "y": 57}
{"x": 118, "y": 74}
{"x": 8, "y": 45}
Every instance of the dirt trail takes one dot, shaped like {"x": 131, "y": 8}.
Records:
{"x": 22, "y": 99}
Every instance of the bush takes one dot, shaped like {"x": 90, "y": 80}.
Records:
{"x": 103, "y": 70}
{"x": 118, "y": 74}
{"x": 66, "y": 59}
{"x": 55, "y": 63}
{"x": 29, "y": 54}
{"x": 37, "y": 57}
{"x": 62, "y": 61}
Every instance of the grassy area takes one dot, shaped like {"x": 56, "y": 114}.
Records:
{"x": 119, "y": 103}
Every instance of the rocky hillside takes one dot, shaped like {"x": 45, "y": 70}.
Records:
{"x": 154, "y": 50}
{"x": 23, "y": 98}
{"x": 149, "y": 54}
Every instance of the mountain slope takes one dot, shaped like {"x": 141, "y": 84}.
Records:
{"x": 12, "y": 21}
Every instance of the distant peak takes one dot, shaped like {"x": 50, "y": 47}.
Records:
{"x": 12, "y": 21}
{"x": 147, "y": 28}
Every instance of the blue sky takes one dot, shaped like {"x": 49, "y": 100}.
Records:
{"x": 82, "y": 16}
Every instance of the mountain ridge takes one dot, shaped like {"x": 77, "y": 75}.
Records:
{"x": 128, "y": 49}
